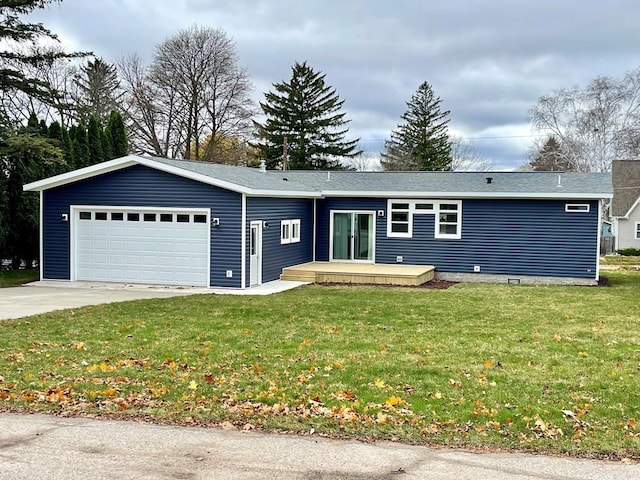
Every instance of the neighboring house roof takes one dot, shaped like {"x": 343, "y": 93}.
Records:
{"x": 625, "y": 175}
{"x": 252, "y": 181}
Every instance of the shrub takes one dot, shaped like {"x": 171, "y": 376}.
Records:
{"x": 629, "y": 252}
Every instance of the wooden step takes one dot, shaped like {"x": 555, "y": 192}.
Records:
{"x": 353, "y": 273}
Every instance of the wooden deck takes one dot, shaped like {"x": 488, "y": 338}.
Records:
{"x": 370, "y": 273}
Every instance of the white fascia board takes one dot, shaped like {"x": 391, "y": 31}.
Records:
{"x": 468, "y": 195}
{"x": 130, "y": 160}
{"x": 81, "y": 174}
{"x": 283, "y": 193}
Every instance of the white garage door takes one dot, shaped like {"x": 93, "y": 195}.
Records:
{"x": 142, "y": 245}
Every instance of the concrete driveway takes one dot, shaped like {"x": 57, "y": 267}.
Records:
{"x": 46, "y": 296}
{"x": 47, "y": 447}
{"x": 19, "y": 302}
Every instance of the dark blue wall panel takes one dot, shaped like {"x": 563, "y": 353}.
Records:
{"x": 276, "y": 256}
{"x": 143, "y": 186}
{"x": 510, "y": 237}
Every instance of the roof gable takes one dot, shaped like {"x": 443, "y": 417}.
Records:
{"x": 625, "y": 175}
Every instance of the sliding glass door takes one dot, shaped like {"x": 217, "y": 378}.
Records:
{"x": 353, "y": 235}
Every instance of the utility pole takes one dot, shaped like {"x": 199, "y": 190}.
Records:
{"x": 285, "y": 157}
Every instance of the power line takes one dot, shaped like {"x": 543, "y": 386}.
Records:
{"x": 371, "y": 140}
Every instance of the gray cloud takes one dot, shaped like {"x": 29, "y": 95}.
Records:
{"x": 489, "y": 60}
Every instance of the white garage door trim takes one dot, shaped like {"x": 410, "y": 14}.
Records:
{"x": 193, "y": 277}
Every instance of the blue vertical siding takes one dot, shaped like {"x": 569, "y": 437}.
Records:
{"x": 142, "y": 186}
{"x": 510, "y": 237}
{"x": 276, "y": 256}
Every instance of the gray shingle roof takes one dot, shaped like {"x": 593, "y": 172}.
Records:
{"x": 454, "y": 183}
{"x": 252, "y": 181}
{"x": 625, "y": 175}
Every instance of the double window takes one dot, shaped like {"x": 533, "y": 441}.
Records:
{"x": 290, "y": 231}
{"x": 447, "y": 213}
{"x": 637, "y": 230}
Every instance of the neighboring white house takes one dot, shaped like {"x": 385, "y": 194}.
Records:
{"x": 625, "y": 206}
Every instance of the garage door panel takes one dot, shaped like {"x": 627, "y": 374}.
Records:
{"x": 165, "y": 252}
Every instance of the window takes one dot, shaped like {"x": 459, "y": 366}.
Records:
{"x": 577, "y": 207}
{"x": 182, "y": 218}
{"x": 166, "y": 217}
{"x": 290, "y": 231}
{"x": 400, "y": 220}
{"x": 117, "y": 216}
{"x": 133, "y": 217}
{"x": 295, "y": 231}
{"x": 285, "y": 231}
{"x": 447, "y": 213}
{"x": 637, "y": 230}
{"x": 101, "y": 215}
{"x": 149, "y": 217}
{"x": 447, "y": 225}
{"x": 199, "y": 219}
{"x": 85, "y": 215}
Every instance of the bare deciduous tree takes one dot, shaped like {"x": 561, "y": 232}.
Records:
{"x": 193, "y": 89}
{"x": 55, "y": 71}
{"x": 465, "y": 157}
{"x": 596, "y": 124}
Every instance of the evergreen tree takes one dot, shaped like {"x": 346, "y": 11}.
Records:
{"x": 550, "y": 158}
{"x": 67, "y": 150}
{"x": 106, "y": 145}
{"x": 80, "y": 145}
{"x": 98, "y": 87}
{"x": 306, "y": 112}
{"x": 422, "y": 142}
{"x": 94, "y": 138}
{"x": 117, "y": 135}
{"x": 25, "y": 157}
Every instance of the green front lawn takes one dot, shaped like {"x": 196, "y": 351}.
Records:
{"x": 15, "y": 278}
{"x": 508, "y": 366}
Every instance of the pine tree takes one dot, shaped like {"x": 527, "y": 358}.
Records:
{"x": 306, "y": 112}
{"x": 422, "y": 142}
{"x": 550, "y": 158}
{"x": 117, "y": 135}
{"x": 94, "y": 139}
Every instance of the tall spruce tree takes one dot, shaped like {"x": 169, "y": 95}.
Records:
{"x": 422, "y": 141}
{"x": 550, "y": 158}
{"x": 307, "y": 113}
{"x": 98, "y": 90}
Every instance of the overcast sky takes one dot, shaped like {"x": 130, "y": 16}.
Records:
{"x": 489, "y": 60}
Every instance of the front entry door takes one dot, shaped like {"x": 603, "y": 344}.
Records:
{"x": 353, "y": 236}
{"x": 255, "y": 249}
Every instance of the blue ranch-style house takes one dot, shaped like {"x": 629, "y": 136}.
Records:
{"x": 149, "y": 220}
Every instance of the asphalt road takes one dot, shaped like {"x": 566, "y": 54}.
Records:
{"x": 47, "y": 447}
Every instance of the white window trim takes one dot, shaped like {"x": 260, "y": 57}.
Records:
{"x": 287, "y": 231}
{"x": 390, "y": 210}
{"x": 415, "y": 211}
{"x": 458, "y": 224}
{"x": 295, "y": 232}
{"x": 636, "y": 231}
{"x": 577, "y": 207}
